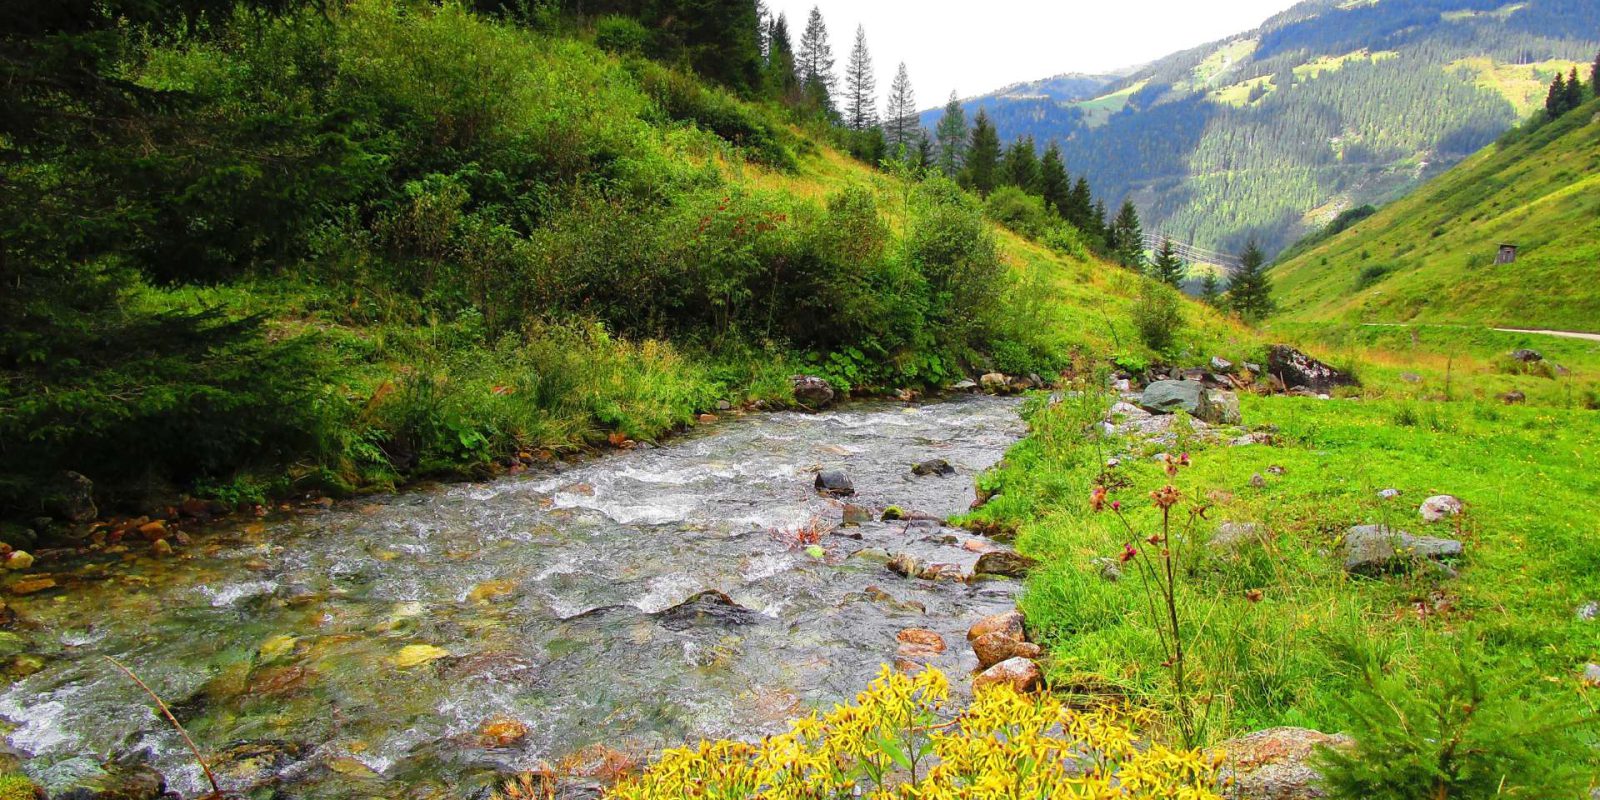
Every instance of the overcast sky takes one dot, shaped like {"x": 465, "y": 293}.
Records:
{"x": 974, "y": 48}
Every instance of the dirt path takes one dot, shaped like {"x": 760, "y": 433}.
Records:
{"x": 1592, "y": 337}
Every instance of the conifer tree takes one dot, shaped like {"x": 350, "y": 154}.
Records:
{"x": 925, "y": 155}
{"x": 1167, "y": 266}
{"x": 1555, "y": 102}
{"x": 1574, "y": 91}
{"x": 1250, "y": 290}
{"x": 1081, "y": 210}
{"x": 781, "y": 80}
{"x": 1211, "y": 288}
{"x": 1020, "y": 166}
{"x": 983, "y": 156}
{"x": 1127, "y": 237}
{"x": 815, "y": 62}
{"x": 1098, "y": 219}
{"x": 861, "y": 86}
{"x": 951, "y": 134}
{"x": 901, "y": 125}
{"x": 1054, "y": 184}
{"x": 1594, "y": 77}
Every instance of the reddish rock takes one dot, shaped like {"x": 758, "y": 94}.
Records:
{"x": 993, "y": 648}
{"x": 153, "y": 531}
{"x": 1275, "y": 764}
{"x": 1009, "y": 622}
{"x": 32, "y": 585}
{"x": 919, "y": 643}
{"x": 1019, "y": 673}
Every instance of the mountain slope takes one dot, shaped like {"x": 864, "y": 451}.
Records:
{"x": 1326, "y": 106}
{"x": 1430, "y": 257}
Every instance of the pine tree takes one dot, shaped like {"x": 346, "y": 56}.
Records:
{"x": 815, "y": 63}
{"x": 1250, "y": 289}
{"x": 925, "y": 155}
{"x": 1555, "y": 102}
{"x": 1574, "y": 91}
{"x": 861, "y": 87}
{"x": 983, "y": 156}
{"x": 1167, "y": 266}
{"x": 1054, "y": 184}
{"x": 1081, "y": 210}
{"x": 951, "y": 134}
{"x": 1211, "y": 288}
{"x": 1020, "y": 166}
{"x": 901, "y": 125}
{"x": 1594, "y": 77}
{"x": 781, "y": 80}
{"x": 1097, "y": 221}
{"x": 1127, "y": 237}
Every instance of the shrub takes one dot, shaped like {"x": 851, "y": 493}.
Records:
{"x": 1066, "y": 239}
{"x": 1372, "y": 274}
{"x": 1158, "y": 315}
{"x": 621, "y": 35}
{"x": 1018, "y": 210}
{"x": 897, "y": 741}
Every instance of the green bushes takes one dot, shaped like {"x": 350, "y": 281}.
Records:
{"x": 1158, "y": 315}
{"x": 1019, "y": 211}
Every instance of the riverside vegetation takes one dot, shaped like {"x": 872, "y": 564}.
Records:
{"x": 274, "y": 250}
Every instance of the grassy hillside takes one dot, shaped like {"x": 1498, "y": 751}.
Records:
{"x": 1327, "y": 106}
{"x": 337, "y": 249}
{"x": 1430, "y": 257}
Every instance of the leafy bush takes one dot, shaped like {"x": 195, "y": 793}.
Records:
{"x": 621, "y": 35}
{"x": 1018, "y": 210}
{"x": 1371, "y": 274}
{"x": 1451, "y": 737}
{"x": 1158, "y": 315}
{"x": 897, "y": 741}
{"x": 1066, "y": 239}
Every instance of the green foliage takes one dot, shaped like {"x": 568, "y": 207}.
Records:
{"x": 16, "y": 787}
{"x": 615, "y": 33}
{"x": 1019, "y": 211}
{"x": 1126, "y": 237}
{"x": 1158, "y": 315}
{"x": 1167, "y": 267}
{"x": 1454, "y": 737}
{"x": 982, "y": 157}
{"x": 1250, "y": 288}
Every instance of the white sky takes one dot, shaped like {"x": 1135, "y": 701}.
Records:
{"x": 976, "y": 48}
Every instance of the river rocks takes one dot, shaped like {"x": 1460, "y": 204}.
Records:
{"x": 1527, "y": 356}
{"x": 963, "y": 385}
{"x": 993, "y": 648}
{"x": 942, "y": 572}
{"x": 34, "y": 585}
{"x": 813, "y": 392}
{"x": 1166, "y": 397}
{"x": 933, "y": 466}
{"x": 709, "y": 607}
{"x": 918, "y": 644}
{"x": 71, "y": 497}
{"x": 855, "y": 514}
{"x": 905, "y": 565}
{"x": 1010, "y": 623}
{"x": 1440, "y": 507}
{"x": 18, "y": 560}
{"x": 874, "y": 554}
{"x": 834, "y": 483}
{"x": 1005, "y": 563}
{"x": 1275, "y": 764}
{"x": 1021, "y": 674}
{"x": 133, "y": 781}
{"x": 253, "y": 763}
{"x": 994, "y": 382}
{"x": 502, "y": 732}
{"x": 1300, "y": 371}
{"x": 1376, "y": 549}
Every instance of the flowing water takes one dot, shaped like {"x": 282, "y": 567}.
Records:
{"x": 359, "y": 651}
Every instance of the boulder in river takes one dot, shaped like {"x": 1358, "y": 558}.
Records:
{"x": 1004, "y": 562}
{"x": 995, "y": 382}
{"x": 813, "y": 392}
{"x": 1021, "y": 674}
{"x": 1300, "y": 371}
{"x": 856, "y": 514}
{"x": 709, "y": 607}
{"x": 933, "y": 466}
{"x": 834, "y": 483}
{"x": 1376, "y": 549}
{"x": 993, "y": 648}
{"x": 1010, "y": 623}
{"x": 1276, "y": 763}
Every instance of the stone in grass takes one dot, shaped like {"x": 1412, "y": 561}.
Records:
{"x": 834, "y": 483}
{"x": 1377, "y": 549}
{"x": 1166, "y": 397}
{"x": 1591, "y": 674}
{"x": 1276, "y": 763}
{"x": 1021, "y": 674}
{"x": 1440, "y": 507}
{"x": 1233, "y": 536}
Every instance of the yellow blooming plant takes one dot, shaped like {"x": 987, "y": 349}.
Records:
{"x": 895, "y": 743}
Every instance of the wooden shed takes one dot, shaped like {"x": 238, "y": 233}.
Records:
{"x": 1506, "y": 254}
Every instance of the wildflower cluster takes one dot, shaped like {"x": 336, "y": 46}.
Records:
{"x": 894, "y": 743}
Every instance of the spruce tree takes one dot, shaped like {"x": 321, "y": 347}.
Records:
{"x": 1127, "y": 237}
{"x": 861, "y": 87}
{"x": 1167, "y": 266}
{"x": 1210, "y": 288}
{"x": 1594, "y": 77}
{"x": 815, "y": 62}
{"x": 1250, "y": 290}
{"x": 901, "y": 124}
{"x": 951, "y": 134}
{"x": 1574, "y": 91}
{"x": 781, "y": 81}
{"x": 925, "y": 155}
{"x": 983, "y": 156}
{"x": 1054, "y": 184}
{"x": 1555, "y": 102}
{"x": 1020, "y": 166}
{"x": 1080, "y": 209}
{"x": 1097, "y": 220}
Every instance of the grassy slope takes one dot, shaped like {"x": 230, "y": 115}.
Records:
{"x": 1430, "y": 256}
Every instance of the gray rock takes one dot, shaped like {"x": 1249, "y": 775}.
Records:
{"x": 813, "y": 392}
{"x": 1588, "y": 611}
{"x": 1298, "y": 370}
{"x": 834, "y": 483}
{"x": 994, "y": 382}
{"x": 1166, "y": 397}
{"x": 1223, "y": 408}
{"x": 1513, "y": 398}
{"x": 1276, "y": 764}
{"x": 1004, "y": 562}
{"x": 963, "y": 385}
{"x": 1527, "y": 356}
{"x": 1222, "y": 365}
{"x": 1375, "y": 549}
{"x": 1388, "y": 494}
{"x": 874, "y": 554}
{"x": 905, "y": 565}
{"x": 1109, "y": 568}
{"x": 1591, "y": 674}
{"x": 856, "y": 514}
{"x": 1231, "y": 536}
{"x": 723, "y": 405}
{"x": 1440, "y": 507}
{"x": 1410, "y": 377}
{"x": 1258, "y": 481}
{"x": 933, "y": 466}
{"x": 1253, "y": 369}
{"x": 72, "y": 498}
{"x": 709, "y": 607}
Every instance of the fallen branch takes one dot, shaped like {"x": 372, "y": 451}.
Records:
{"x": 216, "y": 791}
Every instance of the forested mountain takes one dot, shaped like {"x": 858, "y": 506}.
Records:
{"x": 1327, "y": 106}
{"x": 1432, "y": 256}
{"x": 1047, "y": 108}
